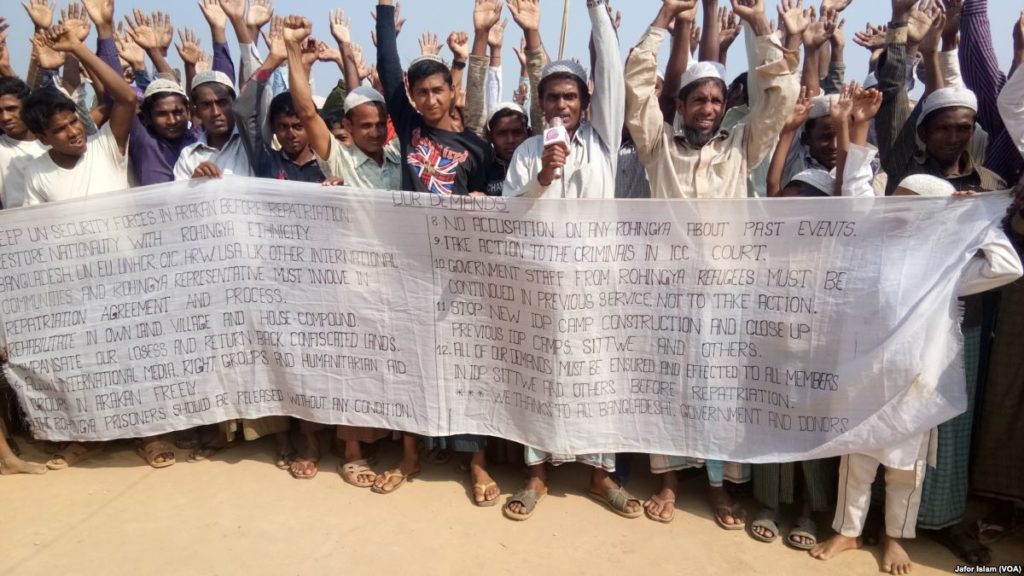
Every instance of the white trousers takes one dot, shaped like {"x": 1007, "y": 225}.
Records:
{"x": 902, "y": 496}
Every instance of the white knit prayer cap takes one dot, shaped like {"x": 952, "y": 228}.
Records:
{"x": 702, "y": 71}
{"x": 505, "y": 106}
{"x": 950, "y": 97}
{"x": 819, "y": 179}
{"x": 361, "y": 95}
{"x": 564, "y": 67}
{"x": 925, "y": 185}
{"x": 820, "y": 107}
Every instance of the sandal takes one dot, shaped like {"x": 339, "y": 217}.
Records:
{"x": 72, "y": 454}
{"x": 768, "y": 520}
{"x": 735, "y": 510}
{"x": 396, "y": 473}
{"x": 351, "y": 471}
{"x": 528, "y": 499}
{"x": 482, "y": 489}
{"x": 205, "y": 452}
{"x": 154, "y": 450}
{"x": 616, "y": 499}
{"x": 661, "y": 502}
{"x": 805, "y": 528}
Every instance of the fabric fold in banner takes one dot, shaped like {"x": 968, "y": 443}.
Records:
{"x": 742, "y": 330}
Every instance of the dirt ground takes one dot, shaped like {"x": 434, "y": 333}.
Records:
{"x": 238, "y": 514}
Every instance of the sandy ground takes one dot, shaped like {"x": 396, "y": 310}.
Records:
{"x": 238, "y": 514}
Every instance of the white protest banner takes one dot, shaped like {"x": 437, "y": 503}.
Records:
{"x": 760, "y": 330}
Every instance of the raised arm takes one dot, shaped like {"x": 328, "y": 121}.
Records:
{"x": 389, "y": 66}
{"x": 217, "y": 20}
{"x": 608, "y": 102}
{"x": 778, "y": 87}
{"x": 122, "y": 111}
{"x": 341, "y": 29}
{"x": 857, "y": 173}
{"x": 678, "y": 60}
{"x": 1011, "y": 101}
{"x": 526, "y": 13}
{"x": 296, "y": 33}
{"x": 797, "y": 118}
{"x": 644, "y": 117}
{"x": 709, "y": 39}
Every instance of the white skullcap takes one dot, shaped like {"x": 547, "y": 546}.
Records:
{"x": 162, "y": 85}
{"x": 871, "y": 81}
{"x": 214, "y": 77}
{"x": 361, "y": 95}
{"x": 426, "y": 58}
{"x": 819, "y": 179}
{"x": 925, "y": 185}
{"x": 505, "y": 106}
{"x": 951, "y": 97}
{"x": 564, "y": 67}
{"x": 701, "y": 71}
{"x": 820, "y": 107}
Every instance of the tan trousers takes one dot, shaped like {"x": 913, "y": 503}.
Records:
{"x": 902, "y": 496}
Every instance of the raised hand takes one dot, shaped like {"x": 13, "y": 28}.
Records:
{"x": 213, "y": 13}
{"x": 920, "y": 20}
{"x": 41, "y": 13}
{"x": 820, "y": 30}
{"x": 75, "y": 19}
{"x": 486, "y": 14}
{"x": 793, "y": 17}
{"x": 458, "y": 43}
{"x": 188, "y": 47}
{"x": 1018, "y": 35}
{"x": 61, "y": 39}
{"x": 521, "y": 53}
{"x": 841, "y": 105}
{"x": 930, "y": 42}
{"x": 749, "y": 10}
{"x": 5, "y": 54}
{"x": 46, "y": 57}
{"x": 798, "y": 116}
{"x": 429, "y": 45}
{"x": 325, "y": 53}
{"x": 361, "y": 68}
{"x": 297, "y": 29}
{"x": 685, "y": 10}
{"x": 838, "y": 38}
{"x": 496, "y": 37}
{"x": 728, "y": 28}
{"x": 275, "y": 40}
{"x": 101, "y": 11}
{"x": 233, "y": 9}
{"x": 952, "y": 9}
{"x": 310, "y": 51}
{"x": 526, "y": 13}
{"x": 695, "y": 35}
{"x": 259, "y": 14}
{"x": 872, "y": 38}
{"x": 866, "y": 104}
{"x": 835, "y": 5}
{"x": 142, "y": 31}
{"x": 128, "y": 49}
{"x": 341, "y": 27}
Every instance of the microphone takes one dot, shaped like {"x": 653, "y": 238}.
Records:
{"x": 554, "y": 135}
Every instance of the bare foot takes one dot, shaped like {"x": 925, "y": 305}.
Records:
{"x": 834, "y": 546}
{"x": 895, "y": 559}
{"x": 19, "y": 466}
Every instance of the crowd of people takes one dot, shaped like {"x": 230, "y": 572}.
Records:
{"x": 790, "y": 126}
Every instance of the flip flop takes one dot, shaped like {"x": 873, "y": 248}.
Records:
{"x": 396, "y": 473}
{"x": 350, "y": 472}
{"x": 150, "y": 451}
{"x": 661, "y": 502}
{"x": 72, "y": 454}
{"x": 767, "y": 519}
{"x": 529, "y": 500}
{"x": 482, "y": 489}
{"x": 616, "y": 500}
{"x": 733, "y": 511}
{"x": 806, "y": 528}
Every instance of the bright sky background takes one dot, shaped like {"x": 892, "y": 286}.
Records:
{"x": 444, "y": 16}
